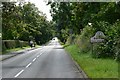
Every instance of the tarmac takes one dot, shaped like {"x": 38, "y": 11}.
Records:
{"x": 12, "y": 54}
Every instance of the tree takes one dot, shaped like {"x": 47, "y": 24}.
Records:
{"x": 25, "y": 20}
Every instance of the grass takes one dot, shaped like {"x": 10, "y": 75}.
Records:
{"x": 94, "y": 68}
{"x": 16, "y": 49}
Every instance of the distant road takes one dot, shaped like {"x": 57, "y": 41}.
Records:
{"x": 50, "y": 61}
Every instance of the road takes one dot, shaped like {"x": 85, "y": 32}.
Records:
{"x": 49, "y": 61}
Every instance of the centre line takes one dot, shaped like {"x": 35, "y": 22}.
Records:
{"x": 28, "y": 65}
{"x": 19, "y": 73}
{"x": 38, "y": 55}
{"x": 0, "y": 78}
{"x": 34, "y": 59}
{"x": 41, "y": 54}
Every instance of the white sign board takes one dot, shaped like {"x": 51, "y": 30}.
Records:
{"x": 99, "y": 37}
{"x": 93, "y": 40}
{"x": 0, "y": 35}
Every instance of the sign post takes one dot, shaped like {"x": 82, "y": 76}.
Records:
{"x": 97, "y": 38}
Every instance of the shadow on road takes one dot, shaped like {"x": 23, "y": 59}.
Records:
{"x": 12, "y": 67}
{"x": 58, "y": 48}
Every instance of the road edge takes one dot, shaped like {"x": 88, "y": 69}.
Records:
{"x": 15, "y": 54}
{"x": 85, "y": 76}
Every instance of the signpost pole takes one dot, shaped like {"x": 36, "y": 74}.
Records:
{"x": 92, "y": 48}
{"x": 97, "y": 38}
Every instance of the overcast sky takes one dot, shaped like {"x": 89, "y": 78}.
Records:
{"x": 42, "y": 7}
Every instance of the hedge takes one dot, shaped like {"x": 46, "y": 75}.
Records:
{"x": 110, "y": 48}
{"x": 10, "y": 44}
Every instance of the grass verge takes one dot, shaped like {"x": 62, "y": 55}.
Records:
{"x": 17, "y": 49}
{"x": 94, "y": 68}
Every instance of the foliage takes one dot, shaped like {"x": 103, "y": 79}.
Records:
{"x": 83, "y": 40}
{"x": 110, "y": 48}
{"x": 24, "y": 20}
{"x": 10, "y": 44}
{"x": 94, "y": 68}
{"x": 71, "y": 39}
{"x": 102, "y": 16}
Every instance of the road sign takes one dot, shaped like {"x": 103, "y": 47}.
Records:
{"x": 93, "y": 40}
{"x": 99, "y": 37}
{"x": 0, "y": 35}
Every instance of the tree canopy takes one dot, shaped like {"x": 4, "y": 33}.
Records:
{"x": 83, "y": 19}
{"x": 24, "y": 21}
{"x": 76, "y": 16}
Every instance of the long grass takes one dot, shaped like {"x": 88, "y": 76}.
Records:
{"x": 17, "y": 49}
{"x": 94, "y": 68}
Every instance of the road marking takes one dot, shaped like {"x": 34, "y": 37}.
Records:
{"x": 41, "y": 54}
{"x": 34, "y": 59}
{"x": 19, "y": 73}
{"x": 28, "y": 65}
{"x": 0, "y": 78}
{"x": 38, "y": 55}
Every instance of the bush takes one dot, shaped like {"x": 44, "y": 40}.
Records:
{"x": 17, "y": 42}
{"x": 117, "y": 55}
{"x": 83, "y": 40}
{"x": 24, "y": 43}
{"x": 70, "y": 39}
{"x": 10, "y": 44}
{"x": 110, "y": 48}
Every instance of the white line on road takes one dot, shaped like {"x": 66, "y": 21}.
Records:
{"x": 28, "y": 65}
{"x": 0, "y": 78}
{"x": 19, "y": 73}
{"x": 38, "y": 56}
{"x": 34, "y": 59}
{"x": 41, "y": 54}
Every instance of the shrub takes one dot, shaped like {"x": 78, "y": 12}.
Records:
{"x": 71, "y": 39}
{"x": 10, "y": 44}
{"x": 110, "y": 48}
{"x": 83, "y": 40}
{"x": 17, "y": 42}
{"x": 23, "y": 43}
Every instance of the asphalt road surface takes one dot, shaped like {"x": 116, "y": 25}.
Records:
{"x": 49, "y": 61}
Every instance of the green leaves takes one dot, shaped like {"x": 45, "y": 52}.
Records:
{"x": 24, "y": 20}
{"x": 76, "y": 16}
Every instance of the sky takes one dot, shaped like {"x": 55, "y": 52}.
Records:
{"x": 42, "y": 7}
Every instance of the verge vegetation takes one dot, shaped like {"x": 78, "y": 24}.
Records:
{"x": 23, "y": 22}
{"x": 76, "y": 23}
{"x": 94, "y": 68}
